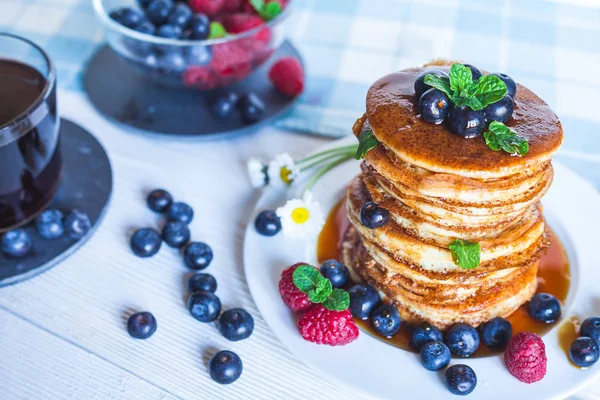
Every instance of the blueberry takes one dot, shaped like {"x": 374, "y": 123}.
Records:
{"x": 176, "y": 234}
{"x": 224, "y": 105}
{"x": 462, "y": 339}
{"x": 511, "y": 86}
{"x": 385, "y": 319}
{"x": 372, "y": 216}
{"x": 199, "y": 27}
{"x": 584, "y": 352}
{"x": 424, "y": 333}
{"x": 591, "y": 327}
{"x": 146, "y": 28}
{"x": 141, "y": 325}
{"x": 363, "y": 299}
{"x": 225, "y": 367}
{"x": 169, "y": 31}
{"x": 501, "y": 110}
{"x": 252, "y": 108}
{"x": 202, "y": 281}
{"x": 198, "y": 55}
{"x": 180, "y": 15}
{"x": 465, "y": 122}
{"x": 434, "y": 356}
{"x": 544, "y": 307}
{"x": 144, "y": 3}
{"x": 145, "y": 242}
{"x": 50, "y": 224}
{"x": 336, "y": 272}
{"x": 159, "y": 200}
{"x": 474, "y": 71}
{"x": 180, "y": 212}
{"x": 496, "y": 333}
{"x": 128, "y": 17}
{"x": 267, "y": 223}
{"x": 421, "y": 87}
{"x": 158, "y": 11}
{"x": 434, "y": 106}
{"x": 236, "y": 324}
{"x": 171, "y": 62}
{"x": 204, "y": 306}
{"x": 460, "y": 379}
{"x": 197, "y": 255}
{"x": 77, "y": 224}
{"x": 16, "y": 243}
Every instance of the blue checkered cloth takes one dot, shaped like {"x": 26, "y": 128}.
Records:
{"x": 551, "y": 47}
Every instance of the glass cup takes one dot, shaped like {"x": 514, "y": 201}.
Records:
{"x": 30, "y": 159}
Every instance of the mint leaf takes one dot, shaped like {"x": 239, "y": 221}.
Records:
{"x": 321, "y": 292}
{"x": 465, "y": 254}
{"x": 440, "y": 83}
{"x": 501, "y": 137}
{"x": 258, "y": 5}
{"x": 366, "y": 141}
{"x": 217, "y": 30}
{"x": 270, "y": 11}
{"x": 306, "y": 278}
{"x": 461, "y": 79}
{"x": 339, "y": 300}
{"x": 489, "y": 90}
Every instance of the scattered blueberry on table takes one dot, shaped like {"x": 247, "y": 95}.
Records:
{"x": 176, "y": 234}
{"x": 49, "y": 224}
{"x": 267, "y": 223}
{"x": 225, "y": 367}
{"x": 202, "y": 281}
{"x": 224, "y": 105}
{"x": 460, "y": 379}
{"x": 204, "y": 306}
{"x": 145, "y": 242}
{"x": 435, "y": 356}
{"x": 544, "y": 307}
{"x": 197, "y": 255}
{"x": 336, "y": 272}
{"x": 385, "y": 320}
{"x": 424, "y": 333}
{"x": 363, "y": 299}
{"x": 180, "y": 212}
{"x": 159, "y": 200}
{"x": 77, "y": 224}
{"x": 462, "y": 340}
{"x": 236, "y": 324}
{"x": 16, "y": 243}
{"x": 496, "y": 333}
{"x": 141, "y": 325}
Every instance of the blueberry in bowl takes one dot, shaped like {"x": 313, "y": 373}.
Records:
{"x": 177, "y": 44}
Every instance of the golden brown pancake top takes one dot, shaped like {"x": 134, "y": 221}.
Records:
{"x": 392, "y": 112}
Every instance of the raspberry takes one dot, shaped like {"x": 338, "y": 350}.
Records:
{"x": 200, "y": 77}
{"x": 291, "y": 295}
{"x": 323, "y": 326}
{"x": 525, "y": 357}
{"x": 287, "y": 75}
{"x": 241, "y": 22}
{"x": 232, "y": 6}
{"x": 208, "y": 7}
{"x": 231, "y": 62}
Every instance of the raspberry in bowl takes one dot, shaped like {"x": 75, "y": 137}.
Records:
{"x": 193, "y": 44}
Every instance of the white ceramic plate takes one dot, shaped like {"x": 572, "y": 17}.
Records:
{"x": 379, "y": 369}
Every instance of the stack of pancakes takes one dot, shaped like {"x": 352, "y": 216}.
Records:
{"x": 439, "y": 187}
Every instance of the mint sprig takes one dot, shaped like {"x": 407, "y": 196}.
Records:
{"x": 465, "y": 254}
{"x": 501, "y": 137}
{"x": 366, "y": 142}
{"x": 463, "y": 91}
{"x": 268, "y": 10}
{"x": 319, "y": 289}
{"x": 217, "y": 30}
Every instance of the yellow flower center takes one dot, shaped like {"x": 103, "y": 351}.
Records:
{"x": 300, "y": 215}
{"x": 286, "y": 175}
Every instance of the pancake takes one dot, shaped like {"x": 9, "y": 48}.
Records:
{"x": 393, "y": 116}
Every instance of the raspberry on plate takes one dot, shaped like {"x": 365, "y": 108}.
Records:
{"x": 208, "y": 7}
{"x": 525, "y": 357}
{"x": 287, "y": 75}
{"x": 291, "y": 295}
{"x": 322, "y": 326}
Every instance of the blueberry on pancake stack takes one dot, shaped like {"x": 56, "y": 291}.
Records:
{"x": 445, "y": 217}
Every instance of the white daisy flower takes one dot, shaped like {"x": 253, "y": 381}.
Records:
{"x": 282, "y": 171}
{"x": 257, "y": 171}
{"x": 301, "y": 218}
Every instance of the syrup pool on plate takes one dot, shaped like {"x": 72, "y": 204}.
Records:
{"x": 553, "y": 278}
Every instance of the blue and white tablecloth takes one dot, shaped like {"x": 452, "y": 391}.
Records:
{"x": 551, "y": 47}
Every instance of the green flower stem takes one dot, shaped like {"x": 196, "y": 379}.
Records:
{"x": 311, "y": 183}
{"x": 328, "y": 158}
{"x": 328, "y": 153}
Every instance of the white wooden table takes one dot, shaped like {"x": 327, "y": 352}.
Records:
{"x": 62, "y": 334}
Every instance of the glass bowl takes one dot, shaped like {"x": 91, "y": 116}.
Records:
{"x": 191, "y": 64}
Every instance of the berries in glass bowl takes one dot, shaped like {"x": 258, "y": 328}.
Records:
{"x": 181, "y": 44}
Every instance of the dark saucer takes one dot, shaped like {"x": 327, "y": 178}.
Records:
{"x": 125, "y": 96}
{"x": 86, "y": 184}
